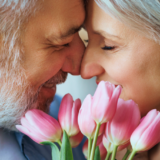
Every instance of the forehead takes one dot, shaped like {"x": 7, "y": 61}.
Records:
{"x": 98, "y": 20}
{"x": 63, "y": 8}
{"x": 58, "y": 16}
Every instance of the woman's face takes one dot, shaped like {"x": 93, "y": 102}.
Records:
{"x": 122, "y": 56}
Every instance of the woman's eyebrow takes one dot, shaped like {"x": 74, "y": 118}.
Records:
{"x": 106, "y": 34}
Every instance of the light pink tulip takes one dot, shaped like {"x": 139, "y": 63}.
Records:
{"x": 86, "y": 123}
{"x": 40, "y": 127}
{"x": 76, "y": 140}
{"x": 85, "y": 149}
{"x": 124, "y": 122}
{"x": 68, "y": 115}
{"x": 109, "y": 146}
{"x": 105, "y": 102}
{"x": 103, "y": 151}
{"x": 146, "y": 135}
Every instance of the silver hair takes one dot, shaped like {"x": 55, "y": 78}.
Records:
{"x": 15, "y": 92}
{"x": 141, "y": 15}
{"x": 13, "y": 15}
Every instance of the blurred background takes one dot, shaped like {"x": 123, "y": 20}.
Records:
{"x": 75, "y": 85}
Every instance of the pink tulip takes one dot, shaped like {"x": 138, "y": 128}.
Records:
{"x": 146, "y": 135}
{"x": 76, "y": 140}
{"x": 126, "y": 119}
{"x": 109, "y": 146}
{"x": 40, "y": 127}
{"x": 105, "y": 102}
{"x": 99, "y": 143}
{"x": 68, "y": 115}
{"x": 85, "y": 149}
{"x": 86, "y": 123}
{"x": 103, "y": 151}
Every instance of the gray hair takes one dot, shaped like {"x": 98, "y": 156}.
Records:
{"x": 13, "y": 15}
{"x": 141, "y": 15}
{"x": 15, "y": 93}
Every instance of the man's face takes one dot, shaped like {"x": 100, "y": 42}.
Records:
{"x": 51, "y": 48}
{"x": 52, "y": 45}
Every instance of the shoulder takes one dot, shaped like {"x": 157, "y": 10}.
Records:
{"x": 9, "y": 147}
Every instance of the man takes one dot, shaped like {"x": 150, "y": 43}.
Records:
{"x": 39, "y": 45}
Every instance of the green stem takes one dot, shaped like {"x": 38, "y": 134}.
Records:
{"x": 108, "y": 155}
{"x": 59, "y": 142}
{"x": 132, "y": 155}
{"x": 114, "y": 152}
{"x": 94, "y": 141}
{"x": 89, "y": 147}
{"x": 126, "y": 155}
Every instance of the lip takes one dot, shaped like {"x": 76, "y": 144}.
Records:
{"x": 112, "y": 83}
{"x": 48, "y": 92}
{"x": 97, "y": 82}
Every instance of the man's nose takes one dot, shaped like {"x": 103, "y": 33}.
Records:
{"x": 74, "y": 56}
{"x": 91, "y": 65}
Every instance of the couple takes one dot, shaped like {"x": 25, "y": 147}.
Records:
{"x": 39, "y": 45}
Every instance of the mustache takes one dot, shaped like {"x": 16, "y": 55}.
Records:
{"x": 59, "y": 78}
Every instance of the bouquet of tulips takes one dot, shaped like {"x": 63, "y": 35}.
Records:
{"x": 110, "y": 124}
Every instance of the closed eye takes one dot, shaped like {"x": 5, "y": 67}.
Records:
{"x": 86, "y": 40}
{"x": 108, "y": 47}
{"x": 66, "y": 45}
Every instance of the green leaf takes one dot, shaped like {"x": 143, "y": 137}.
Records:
{"x": 55, "y": 150}
{"x": 97, "y": 154}
{"x": 66, "y": 149}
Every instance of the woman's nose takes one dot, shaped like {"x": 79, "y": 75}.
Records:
{"x": 91, "y": 65}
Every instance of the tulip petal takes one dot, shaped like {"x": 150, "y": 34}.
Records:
{"x": 103, "y": 151}
{"x": 108, "y": 145}
{"x": 85, "y": 149}
{"x": 29, "y": 134}
{"x": 149, "y": 136}
{"x": 102, "y": 129}
{"x": 86, "y": 123}
{"x": 31, "y": 130}
{"x": 76, "y": 140}
{"x": 100, "y": 100}
{"x": 65, "y": 110}
{"x": 74, "y": 119}
{"x": 105, "y": 102}
{"x": 39, "y": 120}
{"x": 145, "y": 123}
{"x": 120, "y": 128}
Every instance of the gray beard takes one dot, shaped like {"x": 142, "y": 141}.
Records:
{"x": 17, "y": 97}
{"x": 13, "y": 104}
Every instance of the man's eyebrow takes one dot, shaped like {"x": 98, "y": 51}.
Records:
{"x": 68, "y": 33}
{"x": 71, "y": 32}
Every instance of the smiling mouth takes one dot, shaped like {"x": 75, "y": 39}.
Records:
{"x": 49, "y": 87}
{"x": 110, "y": 82}
{"x": 59, "y": 78}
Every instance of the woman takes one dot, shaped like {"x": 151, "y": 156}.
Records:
{"x": 124, "y": 48}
